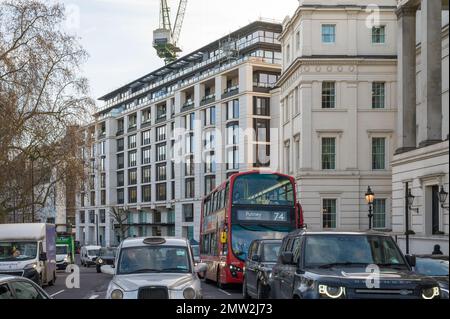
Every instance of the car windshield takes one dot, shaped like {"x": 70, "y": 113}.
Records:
{"x": 270, "y": 251}
{"x": 431, "y": 267}
{"x": 242, "y": 236}
{"x": 263, "y": 189}
{"x": 93, "y": 252}
{"x": 154, "y": 259}
{"x": 61, "y": 250}
{"x": 348, "y": 250}
{"x": 107, "y": 252}
{"x": 11, "y": 251}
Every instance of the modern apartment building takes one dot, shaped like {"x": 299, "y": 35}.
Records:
{"x": 163, "y": 141}
{"x": 338, "y": 94}
{"x": 421, "y": 162}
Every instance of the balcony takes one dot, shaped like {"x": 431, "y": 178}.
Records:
{"x": 132, "y": 128}
{"x": 101, "y": 135}
{"x": 188, "y": 105}
{"x": 230, "y": 91}
{"x": 208, "y": 99}
{"x": 262, "y": 87}
{"x": 146, "y": 123}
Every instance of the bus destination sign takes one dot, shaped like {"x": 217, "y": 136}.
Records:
{"x": 262, "y": 215}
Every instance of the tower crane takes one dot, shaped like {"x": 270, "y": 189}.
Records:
{"x": 166, "y": 37}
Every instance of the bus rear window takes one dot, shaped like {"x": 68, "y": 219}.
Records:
{"x": 263, "y": 189}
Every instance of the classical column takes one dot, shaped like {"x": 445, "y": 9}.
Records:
{"x": 430, "y": 109}
{"x": 406, "y": 79}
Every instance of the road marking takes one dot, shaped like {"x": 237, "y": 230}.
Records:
{"x": 225, "y": 292}
{"x": 93, "y": 297}
{"x": 57, "y": 293}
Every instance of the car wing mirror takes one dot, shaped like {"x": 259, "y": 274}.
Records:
{"x": 200, "y": 268}
{"x": 107, "y": 269}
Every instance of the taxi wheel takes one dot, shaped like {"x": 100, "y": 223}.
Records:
{"x": 244, "y": 289}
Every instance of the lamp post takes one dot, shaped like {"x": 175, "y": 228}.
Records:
{"x": 442, "y": 196}
{"x": 409, "y": 200}
{"x": 370, "y": 196}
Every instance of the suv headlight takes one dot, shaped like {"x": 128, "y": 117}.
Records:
{"x": 100, "y": 261}
{"x": 189, "y": 293}
{"x": 430, "y": 293}
{"x": 331, "y": 291}
{"x": 117, "y": 294}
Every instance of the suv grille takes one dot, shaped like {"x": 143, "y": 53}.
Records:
{"x": 153, "y": 293}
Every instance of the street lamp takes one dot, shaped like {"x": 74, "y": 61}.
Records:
{"x": 442, "y": 196}
{"x": 370, "y": 196}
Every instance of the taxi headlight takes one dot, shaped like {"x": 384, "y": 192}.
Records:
{"x": 430, "y": 293}
{"x": 117, "y": 294}
{"x": 331, "y": 291}
{"x": 189, "y": 293}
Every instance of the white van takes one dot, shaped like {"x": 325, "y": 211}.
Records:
{"x": 88, "y": 255}
{"x": 29, "y": 250}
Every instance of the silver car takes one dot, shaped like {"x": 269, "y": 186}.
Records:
{"x": 154, "y": 268}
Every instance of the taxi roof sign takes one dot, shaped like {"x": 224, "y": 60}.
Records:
{"x": 154, "y": 241}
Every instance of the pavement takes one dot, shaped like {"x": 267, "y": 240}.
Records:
{"x": 93, "y": 285}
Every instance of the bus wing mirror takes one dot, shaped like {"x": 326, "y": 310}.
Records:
{"x": 223, "y": 237}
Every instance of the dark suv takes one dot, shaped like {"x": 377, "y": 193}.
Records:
{"x": 262, "y": 256}
{"x": 335, "y": 265}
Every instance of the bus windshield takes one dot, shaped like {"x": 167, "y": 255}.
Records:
{"x": 263, "y": 189}
{"x": 242, "y": 236}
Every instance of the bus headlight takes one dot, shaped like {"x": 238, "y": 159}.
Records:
{"x": 117, "y": 294}
{"x": 430, "y": 293}
{"x": 189, "y": 293}
{"x": 331, "y": 292}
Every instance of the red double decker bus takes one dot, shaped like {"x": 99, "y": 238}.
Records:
{"x": 248, "y": 206}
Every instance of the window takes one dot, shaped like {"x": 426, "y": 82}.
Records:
{"x": 91, "y": 181}
{"x": 233, "y": 110}
{"x": 91, "y": 217}
{"x": 25, "y": 290}
{"x": 328, "y": 33}
{"x": 103, "y": 148}
{"x": 161, "y": 111}
{"x": 120, "y": 161}
{"x": 328, "y": 153}
{"x": 379, "y": 213}
{"x": 92, "y": 198}
{"x": 189, "y": 143}
{"x": 161, "y": 172}
{"x": 132, "y": 177}
{"x": 160, "y": 133}
{"x": 288, "y": 54}
{"x": 210, "y": 183}
{"x": 120, "y": 126}
{"x": 188, "y": 213}
{"x": 189, "y": 121}
{"x": 297, "y": 40}
{"x": 189, "y": 188}
{"x": 132, "y": 141}
{"x": 210, "y": 116}
{"x": 120, "y": 196}
{"x": 378, "y": 34}
{"x": 378, "y": 153}
{"x": 102, "y": 164}
{"x": 210, "y": 163}
{"x": 161, "y": 152}
{"x": 132, "y": 195}
{"x": 328, "y": 95}
{"x": 103, "y": 197}
{"x": 102, "y": 216}
{"x": 161, "y": 192}
{"x": 146, "y": 115}
{"x": 233, "y": 158}
{"x": 120, "y": 145}
{"x": 261, "y": 106}
{"x": 262, "y": 129}
{"x": 132, "y": 159}
{"x": 209, "y": 140}
{"x": 146, "y": 153}
{"x": 233, "y": 134}
{"x": 146, "y": 137}
{"x": 189, "y": 166}
{"x": 132, "y": 121}
{"x": 329, "y": 213}
{"x": 378, "y": 93}
{"x": 172, "y": 186}
{"x": 120, "y": 179}
{"x": 103, "y": 180}
{"x": 146, "y": 174}
{"x": 146, "y": 193}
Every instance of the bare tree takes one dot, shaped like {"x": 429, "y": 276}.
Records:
{"x": 42, "y": 101}
{"x": 120, "y": 217}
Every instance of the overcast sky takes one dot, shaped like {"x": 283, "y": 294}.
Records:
{"x": 118, "y": 34}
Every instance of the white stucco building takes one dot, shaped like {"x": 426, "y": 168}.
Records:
{"x": 421, "y": 162}
{"x": 338, "y": 94}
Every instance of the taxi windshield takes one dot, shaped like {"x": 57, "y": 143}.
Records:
{"x": 154, "y": 259}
